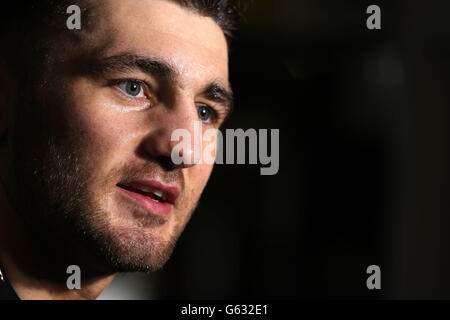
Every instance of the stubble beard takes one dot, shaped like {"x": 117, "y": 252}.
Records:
{"x": 67, "y": 224}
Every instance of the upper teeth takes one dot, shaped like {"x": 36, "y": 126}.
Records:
{"x": 159, "y": 194}
{"x": 156, "y": 193}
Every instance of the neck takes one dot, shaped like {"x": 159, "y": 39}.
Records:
{"x": 29, "y": 287}
{"x": 38, "y": 274}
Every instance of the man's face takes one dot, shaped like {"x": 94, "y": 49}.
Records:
{"x": 101, "y": 123}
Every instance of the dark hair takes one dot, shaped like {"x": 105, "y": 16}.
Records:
{"x": 224, "y": 12}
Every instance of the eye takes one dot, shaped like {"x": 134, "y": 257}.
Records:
{"x": 205, "y": 113}
{"x": 132, "y": 88}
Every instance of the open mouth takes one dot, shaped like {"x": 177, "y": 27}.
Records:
{"x": 155, "y": 195}
{"x": 152, "y": 196}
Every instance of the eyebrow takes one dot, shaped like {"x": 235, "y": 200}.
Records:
{"x": 213, "y": 91}
{"x": 217, "y": 93}
{"x": 131, "y": 62}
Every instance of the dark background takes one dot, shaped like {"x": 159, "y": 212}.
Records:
{"x": 363, "y": 173}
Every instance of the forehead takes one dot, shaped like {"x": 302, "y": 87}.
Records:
{"x": 193, "y": 45}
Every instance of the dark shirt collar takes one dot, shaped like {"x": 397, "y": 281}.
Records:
{"x": 6, "y": 290}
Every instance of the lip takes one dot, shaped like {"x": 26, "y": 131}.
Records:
{"x": 170, "y": 195}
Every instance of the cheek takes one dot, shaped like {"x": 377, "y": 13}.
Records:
{"x": 106, "y": 131}
{"x": 198, "y": 177}
{"x": 201, "y": 172}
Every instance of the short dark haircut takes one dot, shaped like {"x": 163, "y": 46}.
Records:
{"x": 224, "y": 12}
{"x": 26, "y": 25}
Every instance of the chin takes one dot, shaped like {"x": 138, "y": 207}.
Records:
{"x": 135, "y": 249}
{"x": 130, "y": 239}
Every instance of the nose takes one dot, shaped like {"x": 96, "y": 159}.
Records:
{"x": 176, "y": 134}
